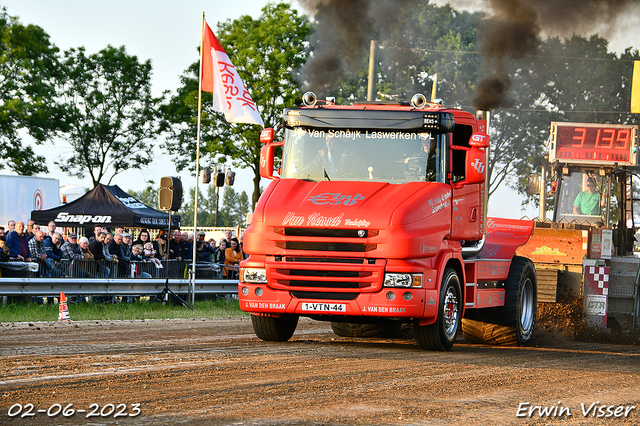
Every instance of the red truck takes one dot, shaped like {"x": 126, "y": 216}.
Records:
{"x": 376, "y": 219}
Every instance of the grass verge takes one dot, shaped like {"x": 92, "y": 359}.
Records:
{"x": 32, "y": 312}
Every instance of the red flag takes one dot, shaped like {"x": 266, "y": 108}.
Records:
{"x": 230, "y": 96}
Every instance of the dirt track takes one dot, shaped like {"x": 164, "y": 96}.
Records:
{"x": 216, "y": 372}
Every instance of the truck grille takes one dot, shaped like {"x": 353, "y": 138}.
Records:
{"x": 323, "y": 295}
{"x": 302, "y": 276}
{"x": 325, "y": 246}
{"x": 350, "y": 240}
{"x": 328, "y": 260}
{"x": 327, "y": 233}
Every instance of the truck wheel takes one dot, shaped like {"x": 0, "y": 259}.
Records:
{"x": 521, "y": 298}
{"x": 513, "y": 323}
{"x": 350, "y": 329}
{"x": 274, "y": 329}
{"x": 441, "y": 335}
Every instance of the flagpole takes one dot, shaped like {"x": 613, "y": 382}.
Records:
{"x": 195, "y": 195}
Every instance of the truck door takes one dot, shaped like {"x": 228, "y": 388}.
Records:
{"x": 467, "y": 213}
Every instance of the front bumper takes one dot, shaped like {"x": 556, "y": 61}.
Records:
{"x": 388, "y": 303}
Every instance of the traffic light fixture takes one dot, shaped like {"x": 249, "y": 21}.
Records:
{"x": 170, "y": 195}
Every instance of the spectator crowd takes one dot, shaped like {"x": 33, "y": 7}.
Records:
{"x": 114, "y": 252}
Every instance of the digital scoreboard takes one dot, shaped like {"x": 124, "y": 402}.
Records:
{"x": 597, "y": 144}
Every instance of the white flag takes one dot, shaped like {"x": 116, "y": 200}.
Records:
{"x": 230, "y": 96}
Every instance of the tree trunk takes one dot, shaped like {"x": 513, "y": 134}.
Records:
{"x": 256, "y": 187}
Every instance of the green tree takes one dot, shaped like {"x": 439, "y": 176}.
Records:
{"x": 267, "y": 52}
{"x": 575, "y": 79}
{"x": 148, "y": 196}
{"x": 418, "y": 41}
{"x": 432, "y": 40}
{"x": 113, "y": 119}
{"x": 232, "y": 208}
{"x": 206, "y": 208}
{"x": 29, "y": 66}
{"x": 235, "y": 207}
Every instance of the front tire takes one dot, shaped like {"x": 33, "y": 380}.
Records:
{"x": 274, "y": 329}
{"x": 441, "y": 335}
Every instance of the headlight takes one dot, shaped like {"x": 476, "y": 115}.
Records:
{"x": 254, "y": 275}
{"x": 403, "y": 280}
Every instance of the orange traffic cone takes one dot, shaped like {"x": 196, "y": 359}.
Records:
{"x": 64, "y": 310}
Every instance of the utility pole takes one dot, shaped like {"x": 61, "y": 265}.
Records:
{"x": 373, "y": 75}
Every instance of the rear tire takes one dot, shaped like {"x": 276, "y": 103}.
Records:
{"x": 274, "y": 329}
{"x": 441, "y": 335}
{"x": 513, "y": 323}
{"x": 384, "y": 331}
{"x": 521, "y": 298}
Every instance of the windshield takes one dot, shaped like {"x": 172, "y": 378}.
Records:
{"x": 581, "y": 198}
{"x": 358, "y": 155}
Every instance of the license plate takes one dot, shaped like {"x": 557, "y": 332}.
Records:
{"x": 324, "y": 307}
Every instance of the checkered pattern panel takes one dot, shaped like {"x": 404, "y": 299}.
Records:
{"x": 597, "y": 278}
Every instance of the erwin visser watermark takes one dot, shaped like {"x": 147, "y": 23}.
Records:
{"x": 591, "y": 409}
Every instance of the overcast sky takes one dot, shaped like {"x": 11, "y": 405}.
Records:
{"x": 168, "y": 33}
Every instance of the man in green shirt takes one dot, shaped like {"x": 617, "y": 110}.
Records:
{"x": 587, "y": 202}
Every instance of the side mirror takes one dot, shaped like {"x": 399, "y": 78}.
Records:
{"x": 475, "y": 166}
{"x": 478, "y": 140}
{"x": 267, "y": 135}
{"x": 267, "y": 154}
{"x": 475, "y": 160}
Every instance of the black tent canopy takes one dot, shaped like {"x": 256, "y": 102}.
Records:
{"x": 109, "y": 206}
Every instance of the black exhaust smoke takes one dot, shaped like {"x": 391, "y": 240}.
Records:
{"x": 513, "y": 31}
{"x": 344, "y": 30}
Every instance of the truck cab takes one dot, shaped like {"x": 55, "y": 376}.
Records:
{"x": 375, "y": 216}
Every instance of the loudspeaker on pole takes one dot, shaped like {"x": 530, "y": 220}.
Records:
{"x": 206, "y": 175}
{"x": 230, "y": 178}
{"x": 170, "y": 195}
{"x": 218, "y": 177}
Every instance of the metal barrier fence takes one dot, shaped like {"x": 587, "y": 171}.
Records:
{"x": 51, "y": 287}
{"x": 90, "y": 278}
{"x": 109, "y": 269}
